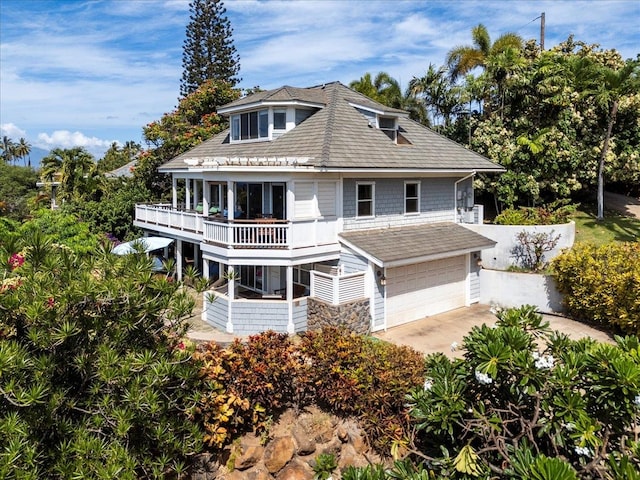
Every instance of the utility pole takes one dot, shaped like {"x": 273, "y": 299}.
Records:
{"x": 542, "y": 32}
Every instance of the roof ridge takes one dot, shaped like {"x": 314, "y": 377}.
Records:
{"x": 331, "y": 111}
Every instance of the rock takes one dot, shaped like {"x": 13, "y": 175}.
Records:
{"x": 342, "y": 434}
{"x": 357, "y": 440}
{"x": 249, "y": 453}
{"x": 295, "y": 471}
{"x": 258, "y": 474}
{"x": 306, "y": 444}
{"x": 278, "y": 453}
{"x": 349, "y": 456}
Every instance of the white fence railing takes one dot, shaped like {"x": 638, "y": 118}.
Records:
{"x": 167, "y": 216}
{"x": 256, "y": 233}
{"x": 337, "y": 289}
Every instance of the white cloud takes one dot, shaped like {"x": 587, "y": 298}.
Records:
{"x": 12, "y": 131}
{"x": 67, "y": 139}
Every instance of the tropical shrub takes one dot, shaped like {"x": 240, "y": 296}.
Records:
{"x": 342, "y": 372}
{"x": 552, "y": 214}
{"x": 528, "y": 403}
{"x": 94, "y": 381}
{"x": 602, "y": 283}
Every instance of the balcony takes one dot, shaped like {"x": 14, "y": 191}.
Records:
{"x": 251, "y": 234}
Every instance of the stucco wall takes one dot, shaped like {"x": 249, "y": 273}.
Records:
{"x": 502, "y": 256}
{"x": 511, "y": 289}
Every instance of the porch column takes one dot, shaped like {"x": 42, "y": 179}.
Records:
{"x": 231, "y": 287}
{"x": 196, "y": 257}
{"x": 290, "y": 326}
{"x": 205, "y": 268}
{"x": 291, "y": 199}
{"x": 179, "y": 259}
{"x": 187, "y": 195}
{"x": 206, "y": 198}
{"x": 174, "y": 192}
{"x": 196, "y": 193}
{"x": 231, "y": 201}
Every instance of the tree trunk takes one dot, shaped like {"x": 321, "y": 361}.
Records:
{"x": 603, "y": 156}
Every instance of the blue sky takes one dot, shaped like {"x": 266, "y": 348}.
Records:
{"x": 90, "y": 72}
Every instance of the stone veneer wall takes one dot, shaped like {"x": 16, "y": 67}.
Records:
{"x": 356, "y": 315}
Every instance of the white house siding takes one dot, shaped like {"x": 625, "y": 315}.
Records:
{"x": 300, "y": 314}
{"x": 437, "y": 203}
{"x": 378, "y": 307}
{"x": 474, "y": 277}
{"x": 351, "y": 262}
{"x": 249, "y": 317}
{"x": 216, "y": 313}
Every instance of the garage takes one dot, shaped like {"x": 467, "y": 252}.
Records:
{"x": 422, "y": 289}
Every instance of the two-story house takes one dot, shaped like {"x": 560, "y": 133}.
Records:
{"x": 320, "y": 203}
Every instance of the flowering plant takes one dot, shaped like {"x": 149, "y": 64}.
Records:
{"x": 525, "y": 400}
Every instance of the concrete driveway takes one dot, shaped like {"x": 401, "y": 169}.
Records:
{"x": 437, "y": 333}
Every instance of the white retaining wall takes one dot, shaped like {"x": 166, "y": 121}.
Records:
{"x": 502, "y": 256}
{"x": 511, "y": 289}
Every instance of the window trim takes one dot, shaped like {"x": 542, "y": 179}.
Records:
{"x": 237, "y": 126}
{"x": 372, "y": 199}
{"x": 416, "y": 198}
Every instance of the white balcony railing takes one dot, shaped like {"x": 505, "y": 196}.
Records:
{"x": 256, "y": 233}
{"x": 166, "y": 216}
{"x": 248, "y": 233}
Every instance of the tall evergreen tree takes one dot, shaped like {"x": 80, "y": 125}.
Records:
{"x": 208, "y": 51}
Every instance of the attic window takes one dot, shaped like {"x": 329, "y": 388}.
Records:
{"x": 388, "y": 126}
{"x": 302, "y": 115}
{"x": 252, "y": 125}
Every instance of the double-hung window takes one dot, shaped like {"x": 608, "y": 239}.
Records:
{"x": 250, "y": 126}
{"x": 411, "y": 197}
{"x": 365, "y": 205}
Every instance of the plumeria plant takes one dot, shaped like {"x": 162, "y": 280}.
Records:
{"x": 525, "y": 402}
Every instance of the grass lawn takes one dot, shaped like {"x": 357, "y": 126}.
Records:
{"x": 614, "y": 228}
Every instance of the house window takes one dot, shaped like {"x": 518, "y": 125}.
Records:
{"x": 251, "y": 125}
{"x": 411, "y": 197}
{"x": 364, "y": 200}
{"x": 251, "y": 277}
{"x": 388, "y": 126}
{"x": 302, "y": 115}
{"x": 279, "y": 119}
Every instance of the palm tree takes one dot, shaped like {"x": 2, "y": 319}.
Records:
{"x": 464, "y": 58}
{"x": 75, "y": 169}
{"x": 386, "y": 90}
{"x": 607, "y": 86}
{"x": 8, "y": 148}
{"x": 440, "y": 96}
{"x": 22, "y": 150}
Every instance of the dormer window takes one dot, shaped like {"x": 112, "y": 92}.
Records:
{"x": 250, "y": 126}
{"x": 388, "y": 126}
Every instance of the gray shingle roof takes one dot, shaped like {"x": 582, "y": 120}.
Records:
{"x": 409, "y": 244}
{"x": 339, "y": 137}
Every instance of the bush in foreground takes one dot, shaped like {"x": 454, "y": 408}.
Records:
{"x": 93, "y": 381}
{"x": 602, "y": 283}
{"x": 528, "y": 403}
{"x": 344, "y": 373}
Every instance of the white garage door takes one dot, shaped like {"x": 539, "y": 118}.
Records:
{"x": 422, "y": 289}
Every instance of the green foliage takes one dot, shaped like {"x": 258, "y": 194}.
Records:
{"x": 362, "y": 376}
{"x": 601, "y": 283}
{"x": 325, "y": 464}
{"x": 17, "y": 188}
{"x": 113, "y": 215}
{"x": 117, "y": 156}
{"x": 192, "y": 122}
{"x": 76, "y": 171}
{"x": 208, "y": 51}
{"x": 553, "y": 214}
{"x": 93, "y": 380}
{"x": 526, "y": 403}
{"x": 343, "y": 372}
